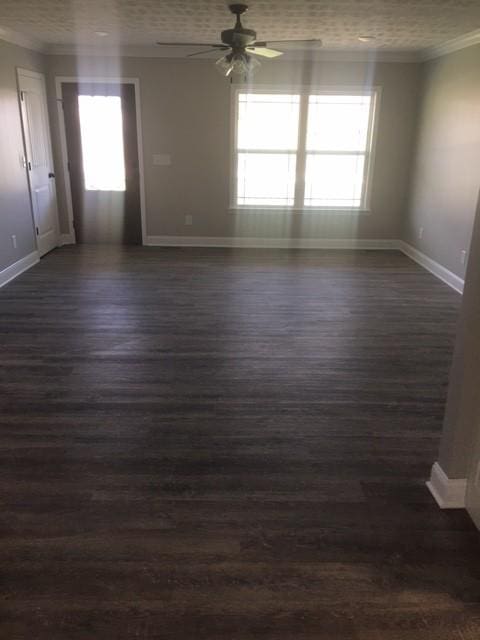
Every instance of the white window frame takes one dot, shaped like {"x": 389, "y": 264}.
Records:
{"x": 305, "y": 92}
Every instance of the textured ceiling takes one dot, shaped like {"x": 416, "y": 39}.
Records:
{"x": 396, "y": 24}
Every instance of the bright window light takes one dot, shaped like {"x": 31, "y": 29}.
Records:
{"x": 101, "y": 128}
{"x": 305, "y": 150}
{"x": 338, "y": 148}
{"x": 334, "y": 181}
{"x": 266, "y": 179}
{"x": 267, "y": 142}
{"x": 338, "y": 123}
{"x": 268, "y": 122}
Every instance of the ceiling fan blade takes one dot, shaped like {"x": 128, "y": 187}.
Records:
{"x": 263, "y": 51}
{"x": 192, "y": 44}
{"x": 311, "y": 42}
{"x": 201, "y": 53}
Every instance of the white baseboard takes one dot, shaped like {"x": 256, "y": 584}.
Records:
{"x": 434, "y": 267}
{"x": 453, "y": 281}
{"x": 449, "y": 494}
{"x": 65, "y": 238}
{"x": 266, "y": 243}
{"x": 18, "y": 267}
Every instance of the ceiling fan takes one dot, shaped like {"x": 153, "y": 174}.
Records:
{"x": 240, "y": 44}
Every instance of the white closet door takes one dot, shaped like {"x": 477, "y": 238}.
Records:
{"x": 39, "y": 158}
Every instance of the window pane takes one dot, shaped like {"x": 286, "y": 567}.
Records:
{"x": 101, "y": 129}
{"x": 268, "y": 121}
{"x": 266, "y": 179}
{"x": 334, "y": 181}
{"x": 338, "y": 123}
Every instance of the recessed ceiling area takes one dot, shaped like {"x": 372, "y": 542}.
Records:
{"x": 409, "y": 25}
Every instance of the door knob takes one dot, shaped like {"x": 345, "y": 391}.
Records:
{"x": 51, "y": 175}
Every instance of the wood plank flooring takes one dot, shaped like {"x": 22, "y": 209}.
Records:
{"x": 228, "y": 445}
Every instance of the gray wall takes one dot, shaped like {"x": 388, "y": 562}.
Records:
{"x": 186, "y": 113}
{"x": 15, "y": 210}
{"x": 462, "y": 417}
{"x": 470, "y": 410}
{"x": 446, "y": 169}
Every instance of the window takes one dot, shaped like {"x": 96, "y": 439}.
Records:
{"x": 267, "y": 142}
{"x": 305, "y": 150}
{"x": 101, "y": 129}
{"x": 337, "y": 142}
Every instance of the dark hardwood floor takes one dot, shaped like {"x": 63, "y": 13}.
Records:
{"x": 228, "y": 445}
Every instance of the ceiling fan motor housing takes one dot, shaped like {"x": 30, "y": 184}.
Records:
{"x": 239, "y": 38}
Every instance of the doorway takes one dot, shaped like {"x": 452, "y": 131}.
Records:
{"x": 38, "y": 158}
{"x": 102, "y": 147}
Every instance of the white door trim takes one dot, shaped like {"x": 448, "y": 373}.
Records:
{"x": 449, "y": 493}
{"x": 63, "y": 143}
{"x": 28, "y": 73}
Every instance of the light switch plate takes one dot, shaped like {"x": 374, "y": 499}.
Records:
{"x": 162, "y": 159}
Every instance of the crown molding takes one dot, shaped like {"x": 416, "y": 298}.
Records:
{"x": 462, "y": 42}
{"x": 21, "y": 40}
{"x": 155, "y": 51}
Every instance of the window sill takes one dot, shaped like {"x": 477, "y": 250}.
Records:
{"x": 299, "y": 210}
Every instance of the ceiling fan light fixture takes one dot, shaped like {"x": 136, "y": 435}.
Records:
{"x": 224, "y": 65}
{"x": 240, "y": 42}
{"x": 237, "y": 64}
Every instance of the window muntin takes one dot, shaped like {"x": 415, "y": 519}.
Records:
{"x": 338, "y": 122}
{"x": 334, "y": 180}
{"x": 268, "y": 122}
{"x": 101, "y": 130}
{"x": 329, "y": 136}
{"x": 337, "y": 143}
{"x": 266, "y": 152}
{"x": 266, "y": 179}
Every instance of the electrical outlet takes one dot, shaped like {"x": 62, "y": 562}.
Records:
{"x": 188, "y": 220}
{"x": 14, "y": 242}
{"x": 420, "y": 233}
{"x": 463, "y": 256}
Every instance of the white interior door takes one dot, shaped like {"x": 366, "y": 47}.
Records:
{"x": 38, "y": 148}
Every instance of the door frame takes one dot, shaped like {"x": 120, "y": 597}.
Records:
{"x": 59, "y": 80}
{"x": 29, "y": 73}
